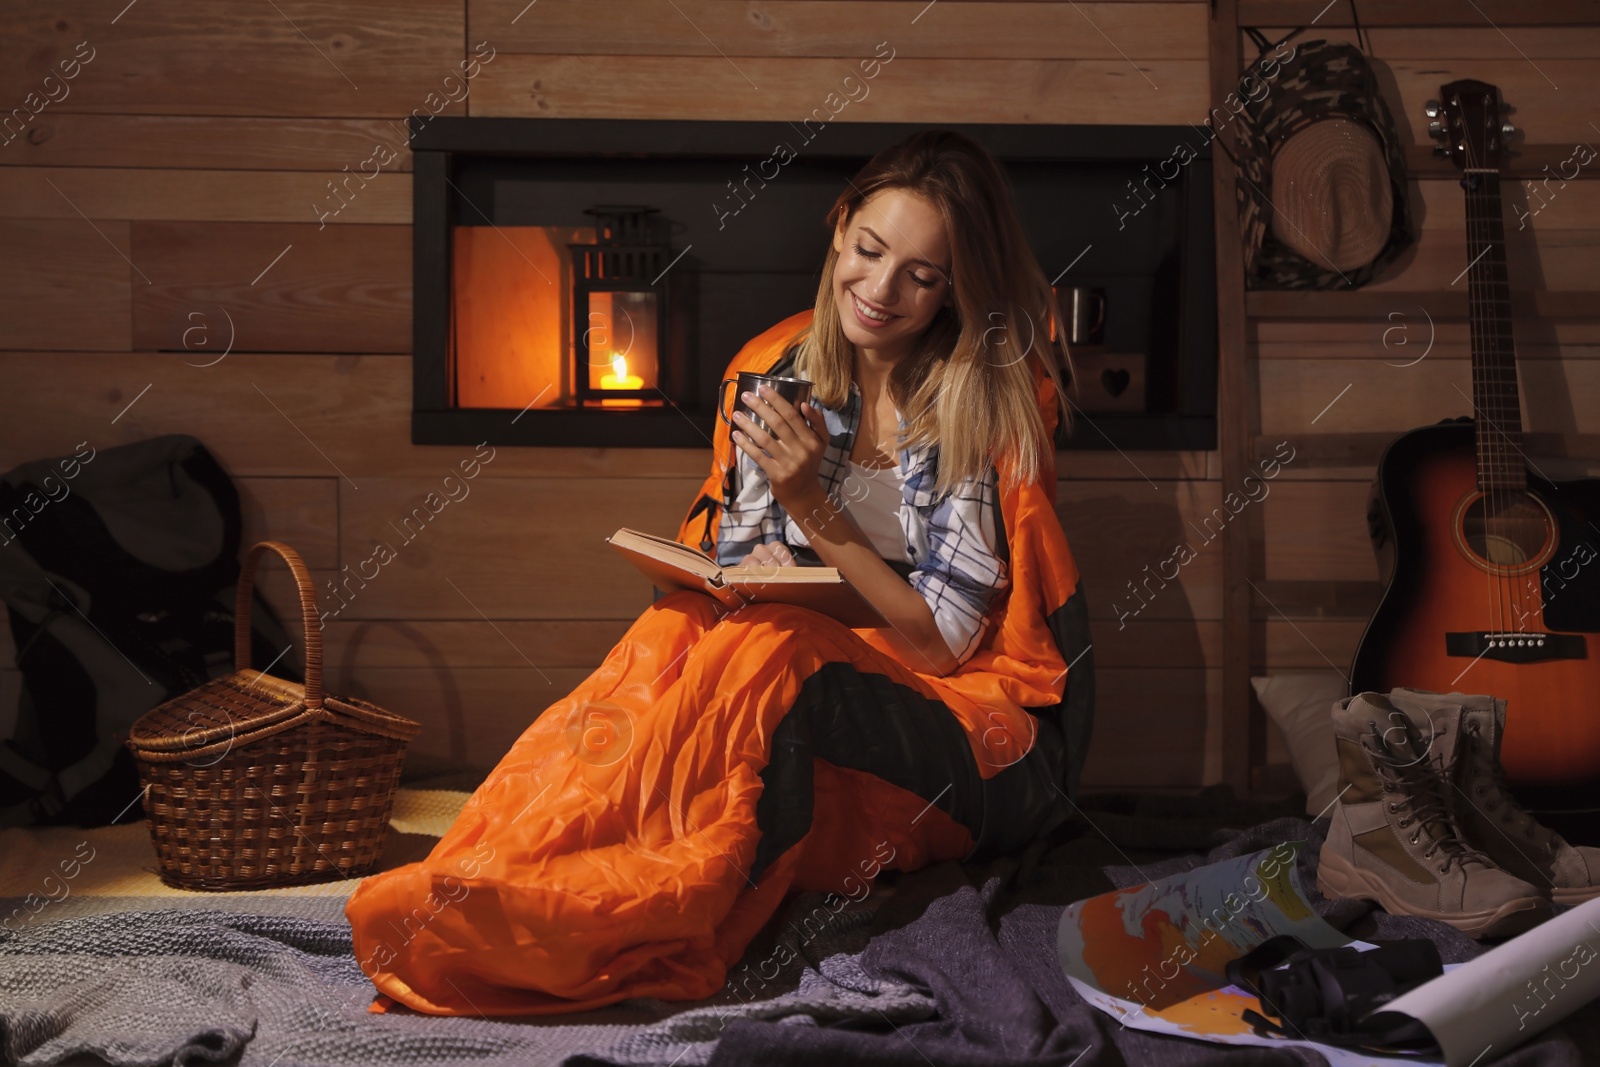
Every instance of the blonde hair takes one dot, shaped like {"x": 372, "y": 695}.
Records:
{"x": 963, "y": 385}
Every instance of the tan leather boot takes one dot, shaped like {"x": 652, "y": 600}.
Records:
{"x": 1485, "y": 810}
{"x": 1393, "y": 837}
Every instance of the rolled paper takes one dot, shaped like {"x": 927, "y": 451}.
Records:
{"x": 1484, "y": 1008}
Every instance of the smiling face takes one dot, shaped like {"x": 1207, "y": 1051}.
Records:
{"x": 892, "y": 273}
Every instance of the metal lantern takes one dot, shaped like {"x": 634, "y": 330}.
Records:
{"x": 619, "y": 309}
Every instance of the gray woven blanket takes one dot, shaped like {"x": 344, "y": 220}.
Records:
{"x": 283, "y": 990}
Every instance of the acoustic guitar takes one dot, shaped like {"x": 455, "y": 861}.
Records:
{"x": 1493, "y": 579}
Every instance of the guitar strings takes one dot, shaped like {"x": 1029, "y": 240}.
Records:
{"x": 1468, "y": 180}
{"x": 1502, "y": 386}
{"x": 1472, "y": 182}
{"x": 1495, "y": 389}
{"x": 1498, "y": 379}
{"x": 1517, "y": 533}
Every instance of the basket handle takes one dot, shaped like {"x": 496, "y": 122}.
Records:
{"x": 308, "y": 613}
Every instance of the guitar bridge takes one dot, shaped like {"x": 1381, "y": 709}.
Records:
{"x": 1516, "y": 647}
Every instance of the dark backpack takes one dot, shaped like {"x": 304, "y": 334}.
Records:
{"x": 117, "y": 569}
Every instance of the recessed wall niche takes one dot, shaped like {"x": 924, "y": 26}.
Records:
{"x": 586, "y": 281}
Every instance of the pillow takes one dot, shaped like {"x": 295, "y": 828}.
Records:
{"x": 1301, "y": 703}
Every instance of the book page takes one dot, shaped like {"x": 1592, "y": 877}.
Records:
{"x": 671, "y": 565}
{"x": 746, "y": 573}
{"x": 636, "y": 543}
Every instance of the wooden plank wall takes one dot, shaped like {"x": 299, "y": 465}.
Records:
{"x": 175, "y": 194}
{"x": 1338, "y": 390}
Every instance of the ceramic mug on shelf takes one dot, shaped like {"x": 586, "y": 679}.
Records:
{"x": 795, "y": 390}
{"x": 1085, "y": 312}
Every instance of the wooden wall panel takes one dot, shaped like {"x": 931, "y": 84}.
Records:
{"x": 1407, "y": 341}
{"x": 1147, "y": 640}
{"x": 292, "y": 57}
{"x": 278, "y": 590}
{"x": 1560, "y": 259}
{"x": 838, "y": 29}
{"x": 1110, "y": 465}
{"x": 1480, "y": 42}
{"x": 1445, "y": 15}
{"x": 1484, "y": 44}
{"x": 1296, "y": 395}
{"x": 284, "y": 287}
{"x": 190, "y": 142}
{"x": 1558, "y": 396}
{"x": 1150, "y": 727}
{"x": 207, "y": 195}
{"x": 301, "y": 512}
{"x": 1121, "y": 535}
{"x": 1317, "y": 530}
{"x": 510, "y": 549}
{"x": 1156, "y": 91}
{"x": 1549, "y": 94}
{"x": 1542, "y": 206}
{"x": 1303, "y": 337}
{"x": 64, "y": 286}
{"x": 333, "y": 414}
{"x": 1310, "y": 644}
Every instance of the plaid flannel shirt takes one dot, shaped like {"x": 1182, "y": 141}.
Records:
{"x": 954, "y": 542}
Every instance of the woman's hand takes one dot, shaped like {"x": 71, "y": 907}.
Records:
{"x": 773, "y": 554}
{"x": 791, "y": 453}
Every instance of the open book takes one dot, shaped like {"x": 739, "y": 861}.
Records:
{"x": 671, "y": 565}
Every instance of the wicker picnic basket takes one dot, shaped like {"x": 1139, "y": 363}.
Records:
{"x": 254, "y": 782}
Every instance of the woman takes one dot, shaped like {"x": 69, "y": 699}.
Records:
{"x": 642, "y": 830}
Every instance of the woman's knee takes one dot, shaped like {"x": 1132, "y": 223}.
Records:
{"x": 695, "y": 607}
{"x": 789, "y": 632}
{"x": 786, "y": 617}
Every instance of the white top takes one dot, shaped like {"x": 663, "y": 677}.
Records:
{"x": 873, "y": 499}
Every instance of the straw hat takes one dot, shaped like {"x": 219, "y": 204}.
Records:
{"x": 1330, "y": 188}
{"x": 1322, "y": 185}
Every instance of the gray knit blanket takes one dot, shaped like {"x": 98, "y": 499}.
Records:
{"x": 283, "y": 990}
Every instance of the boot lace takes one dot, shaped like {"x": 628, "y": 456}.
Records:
{"x": 1491, "y": 796}
{"x": 1424, "y": 800}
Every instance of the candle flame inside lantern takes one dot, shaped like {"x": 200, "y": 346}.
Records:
{"x": 619, "y": 378}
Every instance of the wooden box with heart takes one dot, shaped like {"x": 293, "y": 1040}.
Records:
{"x": 1108, "y": 381}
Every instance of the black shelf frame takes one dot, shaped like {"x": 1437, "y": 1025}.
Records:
{"x": 439, "y": 144}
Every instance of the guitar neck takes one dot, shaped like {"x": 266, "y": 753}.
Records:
{"x": 1497, "y": 405}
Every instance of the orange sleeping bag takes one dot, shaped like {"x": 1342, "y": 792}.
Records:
{"x": 644, "y": 828}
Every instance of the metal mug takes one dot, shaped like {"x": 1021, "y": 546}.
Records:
{"x": 795, "y": 390}
{"x": 1085, "y": 312}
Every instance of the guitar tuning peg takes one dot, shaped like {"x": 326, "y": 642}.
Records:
{"x": 1440, "y": 150}
{"x": 1431, "y": 109}
{"x": 1435, "y": 128}
{"x": 1507, "y": 129}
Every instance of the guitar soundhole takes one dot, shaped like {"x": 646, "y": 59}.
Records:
{"x": 1508, "y": 532}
